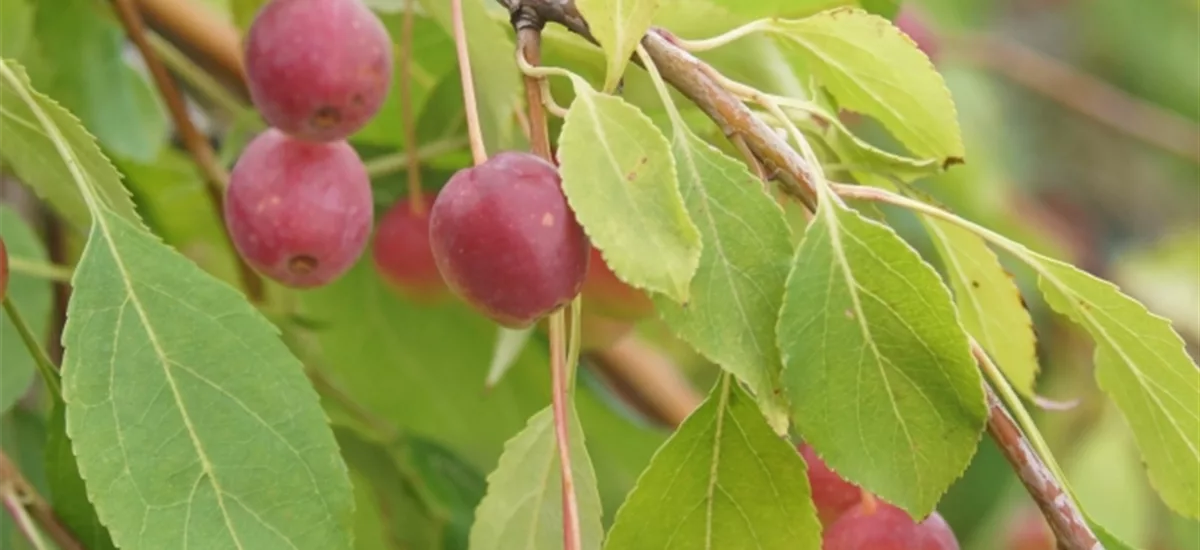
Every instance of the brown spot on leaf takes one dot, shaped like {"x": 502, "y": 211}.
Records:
{"x": 849, "y": 314}
{"x": 974, "y": 284}
{"x": 951, "y": 161}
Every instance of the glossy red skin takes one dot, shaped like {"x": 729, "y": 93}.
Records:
{"x": 912, "y": 21}
{"x": 831, "y": 494}
{"x": 318, "y": 69}
{"x": 402, "y": 254}
{"x": 506, "y": 241}
{"x": 3, "y": 270}
{"x": 605, "y": 294}
{"x": 290, "y": 199}
{"x": 1028, "y": 530}
{"x": 880, "y": 526}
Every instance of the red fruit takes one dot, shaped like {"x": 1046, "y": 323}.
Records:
{"x": 3, "y": 270}
{"x": 877, "y": 525}
{"x": 402, "y": 255}
{"x": 831, "y": 494}
{"x": 299, "y": 212}
{"x": 605, "y": 294}
{"x": 912, "y": 21}
{"x": 1028, "y": 530}
{"x": 318, "y": 69}
{"x": 506, "y": 241}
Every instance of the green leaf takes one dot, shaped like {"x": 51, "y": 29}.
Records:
{"x": 705, "y": 18}
{"x": 389, "y": 513}
{"x": 33, "y": 154}
{"x": 619, "y": 177}
{"x": 1142, "y": 364}
{"x": 988, "y": 301}
{"x": 422, "y": 367}
{"x": 868, "y": 162}
{"x": 187, "y": 380}
{"x": 456, "y": 486}
{"x": 497, "y": 80}
{"x": 523, "y": 505}
{"x": 873, "y": 68}
{"x": 84, "y": 45}
{"x": 878, "y": 369}
{"x": 23, "y": 439}
{"x": 33, "y": 299}
{"x": 67, "y": 491}
{"x": 618, "y": 25}
{"x": 723, "y": 480}
{"x": 738, "y": 287}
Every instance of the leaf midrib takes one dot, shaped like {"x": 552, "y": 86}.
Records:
{"x": 98, "y": 216}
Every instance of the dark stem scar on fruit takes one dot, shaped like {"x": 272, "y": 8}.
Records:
{"x": 302, "y": 264}
{"x": 326, "y": 116}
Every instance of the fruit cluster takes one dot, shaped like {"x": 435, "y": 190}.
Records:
{"x": 853, "y": 519}
{"x": 299, "y": 207}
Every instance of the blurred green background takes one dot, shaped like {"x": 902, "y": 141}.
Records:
{"x": 1082, "y": 125}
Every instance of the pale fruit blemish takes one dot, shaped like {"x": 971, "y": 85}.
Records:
{"x": 548, "y": 219}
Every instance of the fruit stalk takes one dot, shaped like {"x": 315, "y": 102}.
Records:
{"x": 11, "y": 481}
{"x": 197, "y": 144}
{"x": 529, "y": 43}
{"x": 412, "y": 159}
{"x": 474, "y": 132}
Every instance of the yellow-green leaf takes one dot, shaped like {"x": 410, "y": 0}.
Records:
{"x": 988, "y": 301}
{"x": 879, "y": 371}
{"x": 1142, "y": 364}
{"x": 724, "y": 480}
{"x": 873, "y": 68}
{"x": 188, "y": 417}
{"x": 619, "y": 176}
{"x": 738, "y": 287}
{"x": 523, "y": 505}
{"x": 618, "y": 25}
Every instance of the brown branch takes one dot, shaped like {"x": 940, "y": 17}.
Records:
{"x": 203, "y": 35}
{"x": 649, "y": 379}
{"x": 12, "y": 481}
{"x": 197, "y": 143}
{"x": 1084, "y": 94}
{"x": 693, "y": 78}
{"x": 1059, "y": 508}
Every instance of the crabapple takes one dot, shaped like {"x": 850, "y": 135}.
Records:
{"x": 318, "y": 69}
{"x": 831, "y": 494}
{"x": 876, "y": 525}
{"x": 402, "y": 255}
{"x": 297, "y": 211}
{"x": 605, "y": 294}
{"x": 506, "y": 241}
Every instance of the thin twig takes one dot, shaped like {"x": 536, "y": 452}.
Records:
{"x": 40, "y": 270}
{"x": 20, "y": 516}
{"x": 474, "y": 132}
{"x": 529, "y": 44}
{"x": 197, "y": 77}
{"x": 41, "y": 359}
{"x": 214, "y": 41}
{"x": 197, "y": 144}
{"x": 1084, "y": 94}
{"x": 1056, "y": 504}
{"x": 651, "y": 381}
{"x": 558, "y": 379}
{"x": 416, "y": 199}
{"x": 384, "y": 165}
{"x": 12, "y": 481}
